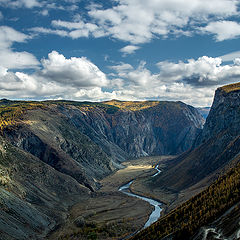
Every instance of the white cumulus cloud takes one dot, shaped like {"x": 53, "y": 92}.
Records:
{"x": 8, "y": 35}
{"x": 230, "y": 56}
{"x": 237, "y": 61}
{"x": 79, "y": 72}
{"x": 10, "y": 58}
{"x": 140, "y": 21}
{"x": 193, "y": 81}
{"x": 73, "y": 30}
{"x": 42, "y": 30}
{"x": 223, "y": 30}
{"x": 58, "y": 77}
{"x": 205, "y": 71}
{"x": 21, "y": 3}
{"x": 122, "y": 67}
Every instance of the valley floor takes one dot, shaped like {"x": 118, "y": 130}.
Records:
{"x": 108, "y": 213}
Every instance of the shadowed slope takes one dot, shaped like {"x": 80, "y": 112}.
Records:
{"x": 215, "y": 147}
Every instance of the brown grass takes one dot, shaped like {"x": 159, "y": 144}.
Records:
{"x": 132, "y": 105}
{"x": 231, "y": 87}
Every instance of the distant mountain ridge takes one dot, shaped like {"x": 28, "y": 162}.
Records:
{"x": 204, "y": 111}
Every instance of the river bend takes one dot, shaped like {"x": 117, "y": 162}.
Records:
{"x": 156, "y": 213}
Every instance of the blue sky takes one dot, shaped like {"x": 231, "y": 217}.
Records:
{"x": 177, "y": 50}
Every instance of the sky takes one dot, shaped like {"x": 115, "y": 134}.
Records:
{"x": 170, "y": 50}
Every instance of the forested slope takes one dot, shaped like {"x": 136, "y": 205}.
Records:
{"x": 202, "y": 209}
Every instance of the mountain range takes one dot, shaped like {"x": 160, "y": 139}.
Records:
{"x": 53, "y": 154}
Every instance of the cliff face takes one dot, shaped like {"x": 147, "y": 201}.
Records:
{"x": 48, "y": 135}
{"x": 165, "y": 128}
{"x": 216, "y": 148}
{"x": 215, "y": 155}
{"x": 224, "y": 115}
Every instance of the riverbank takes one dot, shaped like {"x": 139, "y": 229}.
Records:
{"x": 110, "y": 214}
{"x": 156, "y": 213}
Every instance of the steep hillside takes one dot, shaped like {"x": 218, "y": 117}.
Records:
{"x": 34, "y": 197}
{"x": 148, "y": 128}
{"x": 215, "y": 149}
{"x": 211, "y": 204}
{"x": 43, "y": 131}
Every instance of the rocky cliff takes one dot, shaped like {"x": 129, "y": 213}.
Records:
{"x": 215, "y": 149}
{"x": 213, "y": 165}
{"x": 224, "y": 114}
{"x": 48, "y": 135}
{"x": 146, "y": 128}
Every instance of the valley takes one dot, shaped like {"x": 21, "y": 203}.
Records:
{"x": 114, "y": 214}
{"x": 65, "y": 160}
{"x": 85, "y": 170}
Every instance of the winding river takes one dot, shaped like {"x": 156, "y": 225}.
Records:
{"x": 156, "y": 213}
